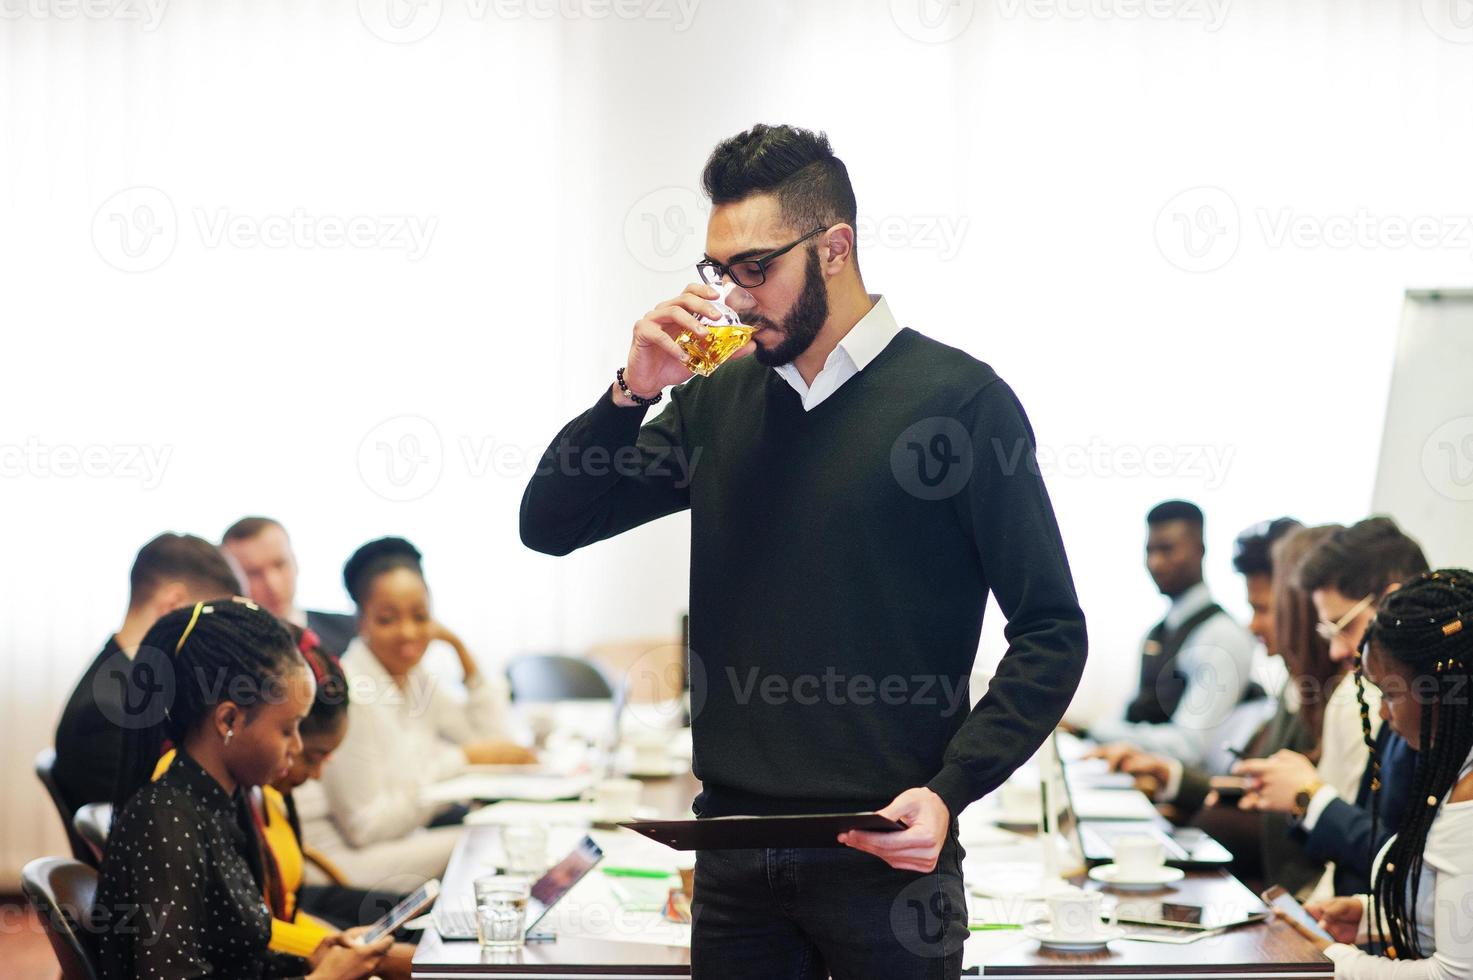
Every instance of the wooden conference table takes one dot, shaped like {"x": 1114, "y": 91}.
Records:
{"x": 1265, "y": 950}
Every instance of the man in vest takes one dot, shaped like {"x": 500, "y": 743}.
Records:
{"x": 1195, "y": 663}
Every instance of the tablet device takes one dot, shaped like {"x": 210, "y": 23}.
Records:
{"x": 411, "y": 906}
{"x": 727, "y": 833}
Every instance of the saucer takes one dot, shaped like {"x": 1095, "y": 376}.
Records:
{"x": 1115, "y": 876}
{"x": 664, "y": 770}
{"x": 1044, "y": 934}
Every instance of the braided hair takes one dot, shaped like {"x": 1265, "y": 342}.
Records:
{"x": 1426, "y": 626}
{"x": 192, "y": 660}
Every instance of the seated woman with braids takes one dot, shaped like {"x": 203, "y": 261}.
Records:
{"x": 303, "y": 920}
{"x": 406, "y": 730}
{"x": 1418, "y": 651}
{"x": 180, "y": 893}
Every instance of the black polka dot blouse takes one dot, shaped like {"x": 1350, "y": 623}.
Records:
{"x": 179, "y": 894}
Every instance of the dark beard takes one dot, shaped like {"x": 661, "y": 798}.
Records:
{"x": 803, "y": 322}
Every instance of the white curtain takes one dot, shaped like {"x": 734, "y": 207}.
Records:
{"x": 352, "y": 265}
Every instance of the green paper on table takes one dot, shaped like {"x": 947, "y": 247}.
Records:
{"x": 640, "y": 893}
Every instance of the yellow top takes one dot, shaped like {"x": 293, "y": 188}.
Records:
{"x": 299, "y": 934}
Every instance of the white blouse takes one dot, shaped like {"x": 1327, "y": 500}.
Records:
{"x": 401, "y": 740}
{"x": 1444, "y": 906}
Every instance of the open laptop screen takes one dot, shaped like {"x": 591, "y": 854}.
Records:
{"x": 561, "y": 877}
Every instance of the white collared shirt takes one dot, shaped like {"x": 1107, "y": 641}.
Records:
{"x": 399, "y": 741}
{"x": 861, "y": 345}
{"x": 1215, "y": 660}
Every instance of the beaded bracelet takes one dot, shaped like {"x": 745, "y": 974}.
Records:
{"x": 637, "y": 399}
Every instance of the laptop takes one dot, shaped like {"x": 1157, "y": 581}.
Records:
{"x": 1185, "y": 847}
{"x": 456, "y": 919}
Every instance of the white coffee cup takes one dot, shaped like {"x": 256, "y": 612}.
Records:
{"x": 1074, "y": 915}
{"x": 1022, "y": 801}
{"x": 614, "y": 799}
{"x": 1137, "y": 855}
{"x": 651, "y": 752}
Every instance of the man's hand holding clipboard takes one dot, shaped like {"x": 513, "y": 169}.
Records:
{"x": 926, "y": 820}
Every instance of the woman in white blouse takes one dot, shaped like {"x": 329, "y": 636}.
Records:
{"x": 1419, "y": 651}
{"x": 406, "y": 729}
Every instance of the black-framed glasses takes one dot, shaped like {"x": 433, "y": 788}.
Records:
{"x": 747, "y": 272}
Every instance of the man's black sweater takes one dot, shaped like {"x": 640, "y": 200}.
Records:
{"x": 840, "y": 564}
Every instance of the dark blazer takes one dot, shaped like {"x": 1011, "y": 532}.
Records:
{"x": 1260, "y": 841}
{"x": 1343, "y": 832}
{"x": 335, "y": 630}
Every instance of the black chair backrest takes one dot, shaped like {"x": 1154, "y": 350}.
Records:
{"x": 554, "y": 677}
{"x": 62, "y": 892}
{"x": 45, "y": 764}
{"x": 92, "y": 823}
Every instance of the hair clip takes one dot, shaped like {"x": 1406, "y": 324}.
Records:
{"x": 1449, "y": 629}
{"x": 199, "y": 607}
{"x": 245, "y": 602}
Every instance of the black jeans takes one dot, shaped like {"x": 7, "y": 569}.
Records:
{"x": 809, "y": 913}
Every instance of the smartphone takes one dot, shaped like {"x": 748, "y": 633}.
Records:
{"x": 410, "y": 907}
{"x": 1277, "y": 898}
{"x": 1230, "y": 789}
{"x": 1160, "y": 914}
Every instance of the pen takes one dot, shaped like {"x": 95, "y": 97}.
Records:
{"x": 637, "y": 873}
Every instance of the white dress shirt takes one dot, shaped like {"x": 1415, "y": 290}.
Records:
{"x": 1343, "y": 758}
{"x": 861, "y": 345}
{"x": 1216, "y": 660}
{"x": 399, "y": 741}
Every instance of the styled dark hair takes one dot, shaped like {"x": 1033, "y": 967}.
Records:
{"x": 1176, "y": 510}
{"x": 798, "y": 165}
{"x": 190, "y": 661}
{"x": 248, "y": 527}
{"x": 1296, "y": 636}
{"x": 1362, "y": 559}
{"x": 330, "y": 705}
{"x": 376, "y": 558}
{"x": 1427, "y": 626}
{"x": 1253, "y": 548}
{"x": 180, "y": 557}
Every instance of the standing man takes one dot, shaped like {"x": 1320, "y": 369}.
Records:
{"x": 1195, "y": 663}
{"x": 856, "y": 489}
{"x": 260, "y": 546}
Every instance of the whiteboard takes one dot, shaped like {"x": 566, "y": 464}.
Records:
{"x": 1425, "y": 475}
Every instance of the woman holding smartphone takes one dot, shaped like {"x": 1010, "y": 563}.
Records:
{"x": 180, "y": 893}
{"x": 1419, "y": 652}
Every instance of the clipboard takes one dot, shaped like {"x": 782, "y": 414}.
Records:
{"x": 729, "y": 833}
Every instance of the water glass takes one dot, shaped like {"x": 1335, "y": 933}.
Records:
{"x": 501, "y": 910}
